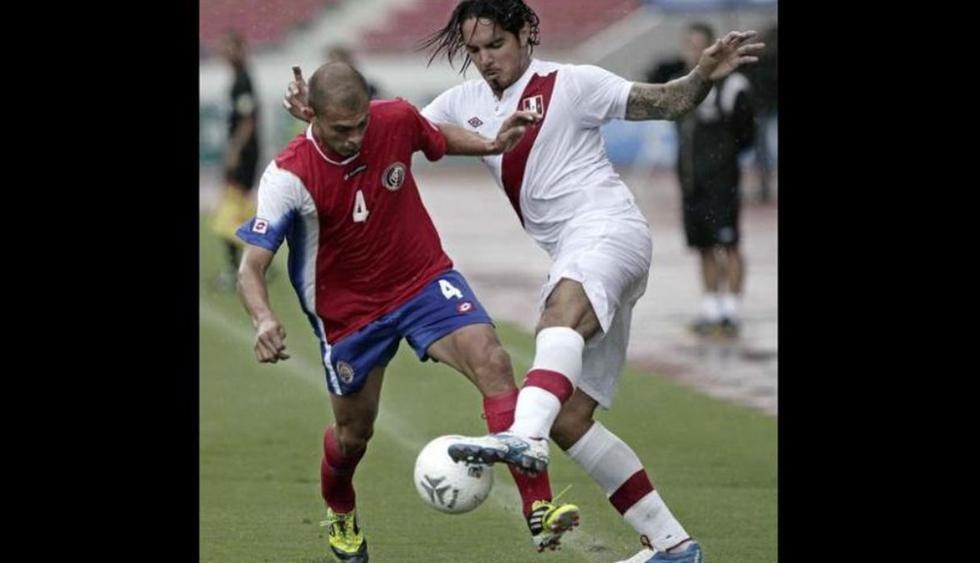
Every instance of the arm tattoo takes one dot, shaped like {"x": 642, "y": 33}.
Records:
{"x": 667, "y": 101}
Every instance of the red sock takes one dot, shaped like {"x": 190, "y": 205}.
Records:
{"x": 499, "y": 412}
{"x": 336, "y": 472}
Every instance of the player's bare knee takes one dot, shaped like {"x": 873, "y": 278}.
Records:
{"x": 558, "y": 314}
{"x": 549, "y": 319}
{"x": 582, "y": 320}
{"x": 353, "y": 438}
{"x": 353, "y": 432}
{"x": 494, "y": 373}
{"x": 569, "y": 306}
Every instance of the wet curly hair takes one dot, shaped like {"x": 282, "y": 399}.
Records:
{"x": 511, "y": 15}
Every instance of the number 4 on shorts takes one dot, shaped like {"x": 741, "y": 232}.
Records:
{"x": 449, "y": 290}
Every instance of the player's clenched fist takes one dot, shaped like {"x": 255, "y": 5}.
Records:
{"x": 270, "y": 341}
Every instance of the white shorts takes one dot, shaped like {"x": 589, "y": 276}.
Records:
{"x": 610, "y": 256}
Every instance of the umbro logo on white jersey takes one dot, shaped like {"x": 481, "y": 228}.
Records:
{"x": 475, "y": 122}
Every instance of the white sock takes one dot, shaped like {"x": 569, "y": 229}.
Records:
{"x": 711, "y": 307}
{"x": 536, "y": 411}
{"x": 651, "y": 518}
{"x": 729, "y": 305}
{"x": 616, "y": 468}
{"x": 556, "y": 369}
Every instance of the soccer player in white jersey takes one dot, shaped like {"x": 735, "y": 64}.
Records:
{"x": 571, "y": 201}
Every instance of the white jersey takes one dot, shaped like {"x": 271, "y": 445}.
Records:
{"x": 559, "y": 171}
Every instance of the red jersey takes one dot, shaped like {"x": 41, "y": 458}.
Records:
{"x": 360, "y": 241}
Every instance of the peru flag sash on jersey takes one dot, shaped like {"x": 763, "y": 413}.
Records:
{"x": 536, "y": 97}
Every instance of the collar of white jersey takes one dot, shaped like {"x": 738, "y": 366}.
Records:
{"x": 316, "y": 145}
{"x": 521, "y": 83}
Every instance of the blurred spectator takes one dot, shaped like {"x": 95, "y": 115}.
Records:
{"x": 240, "y": 160}
{"x": 710, "y": 140}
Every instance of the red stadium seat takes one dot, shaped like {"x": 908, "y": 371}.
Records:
{"x": 261, "y": 22}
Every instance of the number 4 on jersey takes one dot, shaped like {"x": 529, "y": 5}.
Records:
{"x": 449, "y": 290}
{"x": 360, "y": 208}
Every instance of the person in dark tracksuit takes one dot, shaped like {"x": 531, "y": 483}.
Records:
{"x": 710, "y": 141}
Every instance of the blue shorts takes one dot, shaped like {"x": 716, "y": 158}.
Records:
{"x": 444, "y": 305}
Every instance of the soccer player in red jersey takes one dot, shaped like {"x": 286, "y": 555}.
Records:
{"x": 369, "y": 269}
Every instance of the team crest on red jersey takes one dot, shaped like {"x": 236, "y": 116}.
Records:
{"x": 345, "y": 372}
{"x": 394, "y": 177}
{"x": 534, "y": 104}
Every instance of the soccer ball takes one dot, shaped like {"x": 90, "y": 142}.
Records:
{"x": 449, "y": 486}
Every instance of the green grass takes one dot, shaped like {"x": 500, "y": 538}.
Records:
{"x": 260, "y": 436}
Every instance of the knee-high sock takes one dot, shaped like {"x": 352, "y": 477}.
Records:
{"x": 336, "y": 474}
{"x": 616, "y": 468}
{"x": 551, "y": 381}
{"x": 499, "y": 412}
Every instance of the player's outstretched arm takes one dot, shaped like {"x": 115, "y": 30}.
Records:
{"x": 667, "y": 101}
{"x": 677, "y": 97}
{"x": 270, "y": 335}
{"x": 459, "y": 141}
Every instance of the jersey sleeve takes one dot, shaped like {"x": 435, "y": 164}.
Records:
{"x": 599, "y": 94}
{"x": 441, "y": 109}
{"x": 280, "y": 201}
{"x": 427, "y": 137}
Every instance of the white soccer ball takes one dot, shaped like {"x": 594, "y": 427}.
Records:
{"x": 449, "y": 486}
